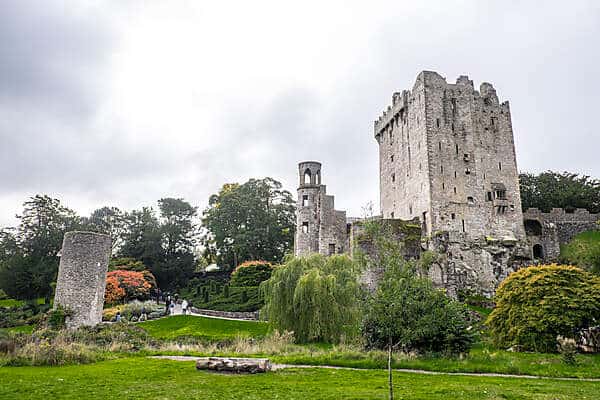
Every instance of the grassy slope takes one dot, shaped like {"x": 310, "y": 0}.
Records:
{"x": 139, "y": 378}
{"x": 180, "y": 326}
{"x": 582, "y": 250}
{"x": 18, "y": 329}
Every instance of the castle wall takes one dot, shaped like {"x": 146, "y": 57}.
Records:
{"x": 550, "y": 230}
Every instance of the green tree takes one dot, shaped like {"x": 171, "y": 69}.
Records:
{"x": 42, "y": 225}
{"x": 252, "y": 221}
{"x": 109, "y": 220}
{"x": 316, "y": 297}
{"x": 142, "y": 241}
{"x": 563, "y": 190}
{"x": 29, "y": 254}
{"x": 583, "y": 251}
{"x": 536, "y": 304}
{"x": 405, "y": 311}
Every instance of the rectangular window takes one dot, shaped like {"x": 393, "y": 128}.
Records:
{"x": 441, "y": 169}
{"x": 440, "y": 145}
{"x": 304, "y": 200}
{"x": 331, "y": 249}
{"x": 456, "y": 147}
{"x": 437, "y": 122}
{"x": 454, "y": 190}
{"x": 305, "y": 227}
{"x": 501, "y": 194}
{"x": 489, "y": 196}
{"x": 463, "y": 225}
{"x": 393, "y": 177}
{"x": 500, "y": 166}
{"x": 453, "y": 216}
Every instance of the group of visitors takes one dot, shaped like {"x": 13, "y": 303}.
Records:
{"x": 170, "y": 303}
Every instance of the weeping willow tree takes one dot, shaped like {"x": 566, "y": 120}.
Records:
{"x": 316, "y": 297}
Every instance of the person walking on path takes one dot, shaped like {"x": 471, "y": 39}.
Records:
{"x": 184, "y": 306}
{"x": 171, "y": 308}
{"x": 167, "y": 304}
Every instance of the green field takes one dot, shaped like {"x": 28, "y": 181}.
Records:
{"x": 211, "y": 329}
{"x": 142, "y": 378}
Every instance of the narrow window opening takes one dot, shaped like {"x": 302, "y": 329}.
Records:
{"x": 467, "y": 171}
{"x": 488, "y": 196}
{"x": 500, "y": 166}
{"x": 456, "y": 147}
{"x": 453, "y": 216}
{"x": 470, "y": 200}
{"x": 331, "y": 249}
{"x": 455, "y": 190}
{"x": 441, "y": 169}
{"x": 454, "y": 174}
{"x": 392, "y": 215}
{"x": 393, "y": 177}
{"x": 463, "y": 225}
{"x": 305, "y": 227}
{"x": 501, "y": 194}
{"x": 304, "y": 200}
{"x": 440, "y": 145}
{"x": 306, "y": 179}
{"x": 437, "y": 122}
{"x": 392, "y": 158}
{"x": 443, "y": 186}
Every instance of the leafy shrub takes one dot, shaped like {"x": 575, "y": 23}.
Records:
{"x": 251, "y": 273}
{"x": 315, "y": 297}
{"x": 128, "y": 285}
{"x": 536, "y": 304}
{"x": 583, "y": 251}
{"x": 131, "y": 309}
{"x": 126, "y": 264}
{"x": 3, "y": 295}
{"x": 407, "y": 312}
{"x": 57, "y": 318}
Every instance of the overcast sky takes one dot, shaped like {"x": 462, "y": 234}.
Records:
{"x": 123, "y": 102}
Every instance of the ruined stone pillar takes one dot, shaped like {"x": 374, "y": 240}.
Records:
{"x": 82, "y": 277}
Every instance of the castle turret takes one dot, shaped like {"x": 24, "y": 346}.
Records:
{"x": 319, "y": 227}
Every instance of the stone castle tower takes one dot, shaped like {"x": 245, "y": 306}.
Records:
{"x": 447, "y": 156}
{"x": 320, "y": 228}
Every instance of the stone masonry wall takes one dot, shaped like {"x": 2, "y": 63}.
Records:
{"x": 82, "y": 276}
{"x": 550, "y": 230}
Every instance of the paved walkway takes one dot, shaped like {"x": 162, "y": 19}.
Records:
{"x": 179, "y": 311}
{"x": 276, "y": 367}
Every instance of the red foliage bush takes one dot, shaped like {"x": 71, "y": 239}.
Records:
{"x": 128, "y": 285}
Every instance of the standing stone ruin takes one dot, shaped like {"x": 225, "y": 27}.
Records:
{"x": 82, "y": 277}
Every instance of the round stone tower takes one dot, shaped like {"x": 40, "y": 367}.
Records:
{"x": 82, "y": 277}
{"x": 307, "y": 214}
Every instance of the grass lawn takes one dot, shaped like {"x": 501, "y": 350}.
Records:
{"x": 18, "y": 329}
{"x": 480, "y": 359}
{"x": 16, "y": 303}
{"x": 142, "y": 378}
{"x": 212, "y": 329}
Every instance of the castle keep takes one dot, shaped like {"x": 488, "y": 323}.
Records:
{"x": 447, "y": 156}
{"x": 447, "y": 162}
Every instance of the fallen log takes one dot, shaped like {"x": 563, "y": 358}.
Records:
{"x": 234, "y": 365}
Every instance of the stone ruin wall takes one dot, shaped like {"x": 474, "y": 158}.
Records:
{"x": 82, "y": 277}
{"x": 550, "y": 230}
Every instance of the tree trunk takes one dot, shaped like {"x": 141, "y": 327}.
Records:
{"x": 390, "y": 383}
